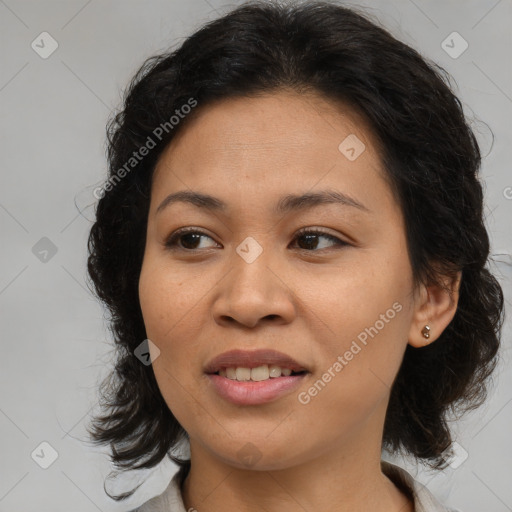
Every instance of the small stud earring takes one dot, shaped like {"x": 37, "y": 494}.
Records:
{"x": 426, "y": 331}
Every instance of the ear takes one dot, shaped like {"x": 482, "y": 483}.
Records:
{"x": 435, "y": 306}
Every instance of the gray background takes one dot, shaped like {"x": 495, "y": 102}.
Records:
{"x": 55, "y": 346}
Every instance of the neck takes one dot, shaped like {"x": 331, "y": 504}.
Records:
{"x": 350, "y": 480}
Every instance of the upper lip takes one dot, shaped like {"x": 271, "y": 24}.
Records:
{"x": 252, "y": 359}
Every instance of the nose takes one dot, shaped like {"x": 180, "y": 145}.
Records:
{"x": 253, "y": 293}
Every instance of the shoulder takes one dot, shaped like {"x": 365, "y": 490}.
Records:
{"x": 424, "y": 500}
{"x": 170, "y": 500}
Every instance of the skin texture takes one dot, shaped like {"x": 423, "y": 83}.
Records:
{"x": 310, "y": 303}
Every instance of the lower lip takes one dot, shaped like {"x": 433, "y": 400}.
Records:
{"x": 252, "y": 392}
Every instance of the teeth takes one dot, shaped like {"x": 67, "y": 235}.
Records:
{"x": 259, "y": 373}
{"x": 243, "y": 374}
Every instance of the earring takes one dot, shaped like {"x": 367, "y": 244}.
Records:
{"x": 426, "y": 331}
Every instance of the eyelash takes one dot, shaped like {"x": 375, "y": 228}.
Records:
{"x": 171, "y": 241}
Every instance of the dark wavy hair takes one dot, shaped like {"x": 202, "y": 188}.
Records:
{"x": 431, "y": 159}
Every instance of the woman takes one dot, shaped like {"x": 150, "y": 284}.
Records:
{"x": 292, "y": 247}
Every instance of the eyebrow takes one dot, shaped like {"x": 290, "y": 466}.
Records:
{"x": 286, "y": 204}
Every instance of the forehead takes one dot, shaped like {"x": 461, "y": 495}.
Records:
{"x": 282, "y": 123}
{"x": 274, "y": 142}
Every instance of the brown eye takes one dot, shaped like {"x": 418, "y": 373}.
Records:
{"x": 311, "y": 239}
{"x": 186, "y": 239}
{"x": 189, "y": 239}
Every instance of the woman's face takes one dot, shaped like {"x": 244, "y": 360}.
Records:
{"x": 340, "y": 303}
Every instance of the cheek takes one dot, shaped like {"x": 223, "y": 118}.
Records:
{"x": 174, "y": 318}
{"x": 357, "y": 373}
{"x": 366, "y": 320}
{"x": 167, "y": 308}
{"x": 166, "y": 299}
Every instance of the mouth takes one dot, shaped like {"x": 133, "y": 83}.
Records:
{"x": 261, "y": 361}
{"x": 250, "y": 392}
{"x": 256, "y": 374}
{"x": 254, "y": 377}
